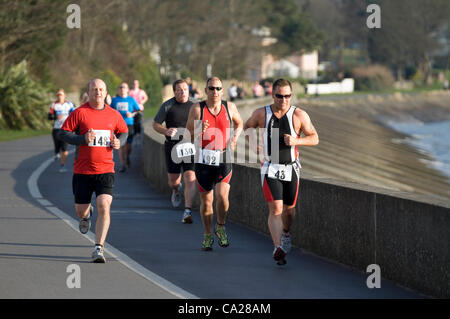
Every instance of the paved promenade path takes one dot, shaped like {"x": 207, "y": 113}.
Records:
{"x": 150, "y": 253}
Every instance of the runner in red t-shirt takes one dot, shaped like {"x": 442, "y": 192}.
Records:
{"x": 96, "y": 129}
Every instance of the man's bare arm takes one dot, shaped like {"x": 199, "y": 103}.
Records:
{"x": 237, "y": 123}
{"x": 254, "y": 120}
{"x": 164, "y": 130}
{"x": 302, "y": 124}
{"x": 144, "y": 98}
{"x": 194, "y": 114}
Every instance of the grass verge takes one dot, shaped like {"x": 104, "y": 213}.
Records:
{"x": 10, "y": 135}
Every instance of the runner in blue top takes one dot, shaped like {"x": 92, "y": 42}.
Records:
{"x": 128, "y": 108}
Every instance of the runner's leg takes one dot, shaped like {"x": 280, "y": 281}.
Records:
{"x": 222, "y": 203}
{"x": 288, "y": 217}
{"x": 206, "y": 210}
{"x": 103, "y": 219}
{"x": 64, "y": 155}
{"x": 275, "y": 221}
{"x": 174, "y": 180}
{"x": 82, "y": 210}
{"x": 190, "y": 188}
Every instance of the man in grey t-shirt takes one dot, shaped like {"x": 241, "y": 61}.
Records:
{"x": 174, "y": 112}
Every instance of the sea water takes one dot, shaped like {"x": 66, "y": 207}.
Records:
{"x": 430, "y": 138}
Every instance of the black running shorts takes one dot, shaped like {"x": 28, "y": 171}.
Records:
{"x": 59, "y": 144}
{"x": 207, "y": 175}
{"x": 130, "y": 134}
{"x": 137, "y": 123}
{"x": 83, "y": 185}
{"x": 275, "y": 189}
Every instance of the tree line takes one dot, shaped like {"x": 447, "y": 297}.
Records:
{"x": 411, "y": 35}
{"x": 157, "y": 40}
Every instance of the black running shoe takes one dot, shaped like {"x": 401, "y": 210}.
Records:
{"x": 85, "y": 223}
{"x": 279, "y": 255}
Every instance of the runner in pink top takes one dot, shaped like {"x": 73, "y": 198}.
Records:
{"x": 141, "y": 97}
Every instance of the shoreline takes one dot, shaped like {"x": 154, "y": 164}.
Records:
{"x": 358, "y": 146}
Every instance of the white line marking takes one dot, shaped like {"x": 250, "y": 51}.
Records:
{"x": 44, "y": 202}
{"x": 32, "y": 181}
{"x": 114, "y": 252}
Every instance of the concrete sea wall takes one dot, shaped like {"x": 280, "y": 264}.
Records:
{"x": 406, "y": 234}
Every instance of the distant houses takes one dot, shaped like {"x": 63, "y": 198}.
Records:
{"x": 304, "y": 65}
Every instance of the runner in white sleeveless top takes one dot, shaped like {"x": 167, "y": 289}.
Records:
{"x": 59, "y": 111}
{"x": 280, "y": 172}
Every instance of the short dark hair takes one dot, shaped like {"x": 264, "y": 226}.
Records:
{"x": 212, "y": 78}
{"x": 280, "y": 83}
{"x": 179, "y": 81}
{"x": 123, "y": 82}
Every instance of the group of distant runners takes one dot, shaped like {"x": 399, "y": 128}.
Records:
{"x": 200, "y": 138}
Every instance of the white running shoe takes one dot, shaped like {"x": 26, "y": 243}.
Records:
{"x": 286, "y": 242}
{"x": 62, "y": 169}
{"x": 176, "y": 197}
{"x": 98, "y": 255}
{"x": 187, "y": 217}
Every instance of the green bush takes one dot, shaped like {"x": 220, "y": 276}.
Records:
{"x": 372, "y": 78}
{"x": 112, "y": 81}
{"x": 150, "y": 81}
{"x": 24, "y": 103}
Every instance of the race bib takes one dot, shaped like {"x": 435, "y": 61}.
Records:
{"x": 280, "y": 172}
{"x": 122, "y": 106}
{"x": 185, "y": 149}
{"x": 102, "y": 138}
{"x": 210, "y": 157}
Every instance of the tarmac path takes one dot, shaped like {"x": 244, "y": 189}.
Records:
{"x": 150, "y": 253}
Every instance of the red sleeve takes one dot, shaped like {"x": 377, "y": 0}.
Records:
{"x": 71, "y": 123}
{"x": 52, "y": 109}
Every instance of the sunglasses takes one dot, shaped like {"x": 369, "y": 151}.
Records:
{"x": 212, "y": 88}
{"x": 280, "y": 96}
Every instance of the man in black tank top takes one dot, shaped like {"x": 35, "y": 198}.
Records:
{"x": 280, "y": 172}
{"x": 174, "y": 112}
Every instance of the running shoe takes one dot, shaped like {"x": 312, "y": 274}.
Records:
{"x": 98, "y": 255}
{"x": 123, "y": 169}
{"x": 221, "y": 235}
{"x": 286, "y": 242}
{"x": 187, "y": 217}
{"x": 85, "y": 223}
{"x": 176, "y": 197}
{"x": 62, "y": 169}
{"x": 279, "y": 255}
{"x": 207, "y": 243}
